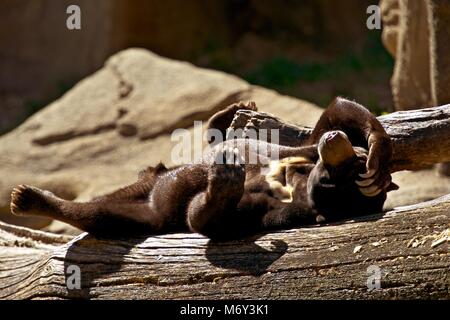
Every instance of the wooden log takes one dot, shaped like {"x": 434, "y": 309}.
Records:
{"x": 409, "y": 246}
{"x": 420, "y": 137}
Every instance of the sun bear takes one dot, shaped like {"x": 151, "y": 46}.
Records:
{"x": 340, "y": 172}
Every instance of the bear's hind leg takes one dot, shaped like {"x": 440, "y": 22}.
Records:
{"x": 108, "y": 218}
{"x": 27, "y": 200}
{"x": 212, "y": 212}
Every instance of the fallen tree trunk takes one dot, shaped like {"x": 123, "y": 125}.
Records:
{"x": 420, "y": 137}
{"x": 408, "y": 246}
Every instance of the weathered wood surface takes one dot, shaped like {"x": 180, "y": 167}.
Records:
{"x": 409, "y": 245}
{"x": 420, "y": 137}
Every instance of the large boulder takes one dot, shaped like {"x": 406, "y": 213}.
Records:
{"x": 119, "y": 120}
{"x": 416, "y": 187}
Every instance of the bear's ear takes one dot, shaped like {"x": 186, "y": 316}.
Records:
{"x": 392, "y": 187}
{"x": 320, "y": 218}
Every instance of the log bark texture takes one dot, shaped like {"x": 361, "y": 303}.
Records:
{"x": 409, "y": 246}
{"x": 420, "y": 137}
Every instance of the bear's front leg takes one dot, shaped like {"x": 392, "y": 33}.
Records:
{"x": 211, "y": 211}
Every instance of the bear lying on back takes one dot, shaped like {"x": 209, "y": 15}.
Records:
{"x": 340, "y": 172}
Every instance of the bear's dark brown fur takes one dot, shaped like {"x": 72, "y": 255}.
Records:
{"x": 311, "y": 183}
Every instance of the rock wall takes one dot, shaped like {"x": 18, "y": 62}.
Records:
{"x": 417, "y": 33}
{"x": 40, "y": 57}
